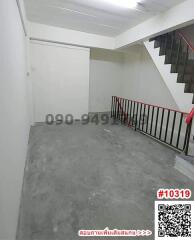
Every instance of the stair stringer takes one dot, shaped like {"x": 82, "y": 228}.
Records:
{"x": 183, "y": 100}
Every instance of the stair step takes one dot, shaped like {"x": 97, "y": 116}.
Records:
{"x": 185, "y": 68}
{"x": 157, "y": 44}
{"x": 170, "y": 59}
{"x": 187, "y": 78}
{"x": 167, "y": 51}
{"x": 162, "y": 40}
{"x": 163, "y": 43}
{"x": 189, "y": 88}
{"x": 180, "y": 69}
{"x": 159, "y": 38}
{"x": 173, "y": 60}
{"x": 152, "y": 39}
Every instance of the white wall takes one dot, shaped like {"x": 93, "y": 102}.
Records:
{"x": 105, "y": 78}
{"x": 60, "y": 80}
{"x": 131, "y": 74}
{"x": 14, "y": 121}
{"x": 67, "y": 36}
{"x": 142, "y": 81}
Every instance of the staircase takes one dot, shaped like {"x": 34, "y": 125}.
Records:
{"x": 180, "y": 54}
{"x": 173, "y": 55}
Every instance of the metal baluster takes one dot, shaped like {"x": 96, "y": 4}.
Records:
{"x": 148, "y": 118}
{"x": 156, "y": 121}
{"x": 128, "y": 112}
{"x": 143, "y": 117}
{"x": 122, "y": 110}
{"x": 125, "y": 105}
{"x": 131, "y": 105}
{"x": 121, "y": 106}
{"x": 112, "y": 107}
{"x": 153, "y": 110}
{"x": 173, "y": 124}
{"x": 136, "y": 116}
{"x": 162, "y": 120}
{"x": 118, "y": 108}
{"x": 133, "y": 113}
{"x": 179, "y": 131}
{"x": 187, "y": 138}
{"x": 166, "y": 133}
{"x": 113, "y": 110}
{"x": 140, "y": 116}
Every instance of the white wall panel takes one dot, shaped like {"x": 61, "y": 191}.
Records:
{"x": 105, "y": 78}
{"x": 14, "y": 120}
{"x": 60, "y": 80}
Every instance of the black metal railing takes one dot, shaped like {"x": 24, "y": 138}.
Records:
{"x": 164, "y": 124}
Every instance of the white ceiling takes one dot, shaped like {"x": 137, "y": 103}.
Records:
{"x": 93, "y": 16}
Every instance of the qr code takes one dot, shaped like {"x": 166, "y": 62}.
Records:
{"x": 174, "y": 219}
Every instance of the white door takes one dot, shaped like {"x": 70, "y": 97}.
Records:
{"x": 60, "y": 80}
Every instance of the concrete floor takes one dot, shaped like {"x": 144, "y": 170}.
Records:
{"x": 92, "y": 177}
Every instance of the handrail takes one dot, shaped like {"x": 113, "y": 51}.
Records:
{"x": 189, "y": 117}
{"x": 187, "y": 41}
{"x": 151, "y": 105}
{"x": 170, "y": 127}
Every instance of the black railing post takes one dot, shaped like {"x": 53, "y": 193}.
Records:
{"x": 123, "y": 113}
{"x": 117, "y": 107}
{"x": 187, "y": 140}
{"x": 112, "y": 107}
{"x": 179, "y": 131}
{"x": 128, "y": 112}
{"x": 136, "y": 119}
{"x": 157, "y": 123}
{"x": 125, "y": 110}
